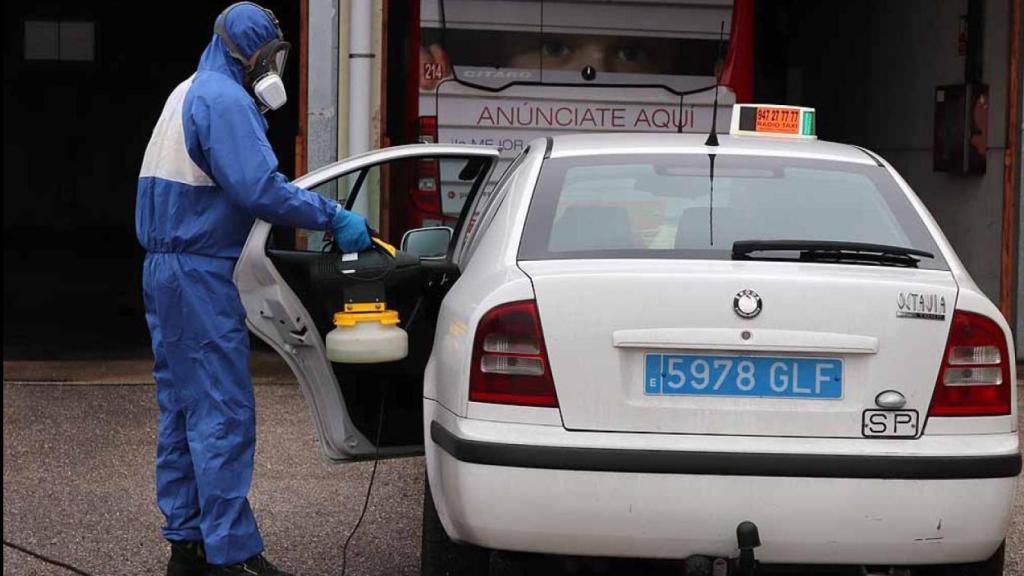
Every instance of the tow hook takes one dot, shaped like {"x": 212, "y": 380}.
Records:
{"x": 747, "y": 538}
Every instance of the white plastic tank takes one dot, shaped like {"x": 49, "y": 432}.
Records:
{"x": 367, "y": 338}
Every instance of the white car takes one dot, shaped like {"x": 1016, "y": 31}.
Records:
{"x": 638, "y": 345}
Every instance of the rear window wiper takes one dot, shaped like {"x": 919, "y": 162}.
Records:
{"x": 830, "y": 251}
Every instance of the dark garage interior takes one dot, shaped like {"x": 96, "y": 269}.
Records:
{"x": 75, "y": 129}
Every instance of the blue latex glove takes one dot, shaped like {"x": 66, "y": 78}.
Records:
{"x": 350, "y": 230}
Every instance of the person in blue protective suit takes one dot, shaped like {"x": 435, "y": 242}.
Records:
{"x": 208, "y": 173}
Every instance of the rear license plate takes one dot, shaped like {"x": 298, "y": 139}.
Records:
{"x": 889, "y": 424}
{"x": 757, "y": 376}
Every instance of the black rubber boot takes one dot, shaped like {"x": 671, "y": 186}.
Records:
{"x": 255, "y": 566}
{"x": 187, "y": 559}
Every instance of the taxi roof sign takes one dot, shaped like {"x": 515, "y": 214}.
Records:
{"x": 773, "y": 120}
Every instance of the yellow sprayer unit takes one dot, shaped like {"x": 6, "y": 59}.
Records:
{"x": 366, "y": 331}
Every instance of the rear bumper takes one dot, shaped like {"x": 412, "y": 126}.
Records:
{"x": 888, "y": 467}
{"x": 543, "y": 489}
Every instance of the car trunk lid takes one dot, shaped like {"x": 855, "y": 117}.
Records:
{"x": 605, "y": 320}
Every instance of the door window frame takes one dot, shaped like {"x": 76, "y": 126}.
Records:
{"x": 318, "y": 178}
{"x": 466, "y": 244}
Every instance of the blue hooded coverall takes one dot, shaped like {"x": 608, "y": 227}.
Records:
{"x": 208, "y": 172}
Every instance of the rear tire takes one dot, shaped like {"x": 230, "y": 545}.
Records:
{"x": 991, "y": 567}
{"x": 439, "y": 555}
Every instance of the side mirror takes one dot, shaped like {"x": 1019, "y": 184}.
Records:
{"x": 428, "y": 243}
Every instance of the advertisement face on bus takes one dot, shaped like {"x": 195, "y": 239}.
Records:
{"x": 501, "y": 73}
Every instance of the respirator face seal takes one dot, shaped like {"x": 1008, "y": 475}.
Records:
{"x": 263, "y": 77}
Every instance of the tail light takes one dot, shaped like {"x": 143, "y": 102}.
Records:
{"x": 510, "y": 361}
{"x": 975, "y": 376}
{"x": 426, "y": 195}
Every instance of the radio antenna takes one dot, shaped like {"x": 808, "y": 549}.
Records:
{"x": 713, "y": 136}
{"x": 679, "y": 120}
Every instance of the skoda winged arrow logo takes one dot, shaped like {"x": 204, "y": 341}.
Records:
{"x": 747, "y": 304}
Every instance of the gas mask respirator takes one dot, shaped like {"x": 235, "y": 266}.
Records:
{"x": 263, "y": 76}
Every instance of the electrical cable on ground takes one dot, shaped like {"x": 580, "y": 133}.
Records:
{"x": 46, "y": 559}
{"x": 369, "y": 487}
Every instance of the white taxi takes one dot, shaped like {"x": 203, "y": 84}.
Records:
{"x": 641, "y": 345}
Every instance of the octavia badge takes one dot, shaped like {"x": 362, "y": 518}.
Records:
{"x": 747, "y": 304}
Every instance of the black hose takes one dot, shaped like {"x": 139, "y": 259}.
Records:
{"x": 46, "y": 559}
{"x": 369, "y": 486}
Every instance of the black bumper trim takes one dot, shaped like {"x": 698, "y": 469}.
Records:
{"x": 725, "y": 464}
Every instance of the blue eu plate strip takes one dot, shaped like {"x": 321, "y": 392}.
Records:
{"x": 756, "y": 376}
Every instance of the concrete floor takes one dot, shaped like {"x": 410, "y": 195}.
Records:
{"x": 78, "y": 479}
{"x": 78, "y": 486}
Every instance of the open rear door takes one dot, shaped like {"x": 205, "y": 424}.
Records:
{"x": 270, "y": 280}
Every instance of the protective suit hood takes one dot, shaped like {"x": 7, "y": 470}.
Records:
{"x": 242, "y": 30}
{"x": 217, "y": 59}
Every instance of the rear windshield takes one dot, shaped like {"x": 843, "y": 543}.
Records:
{"x": 668, "y": 206}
